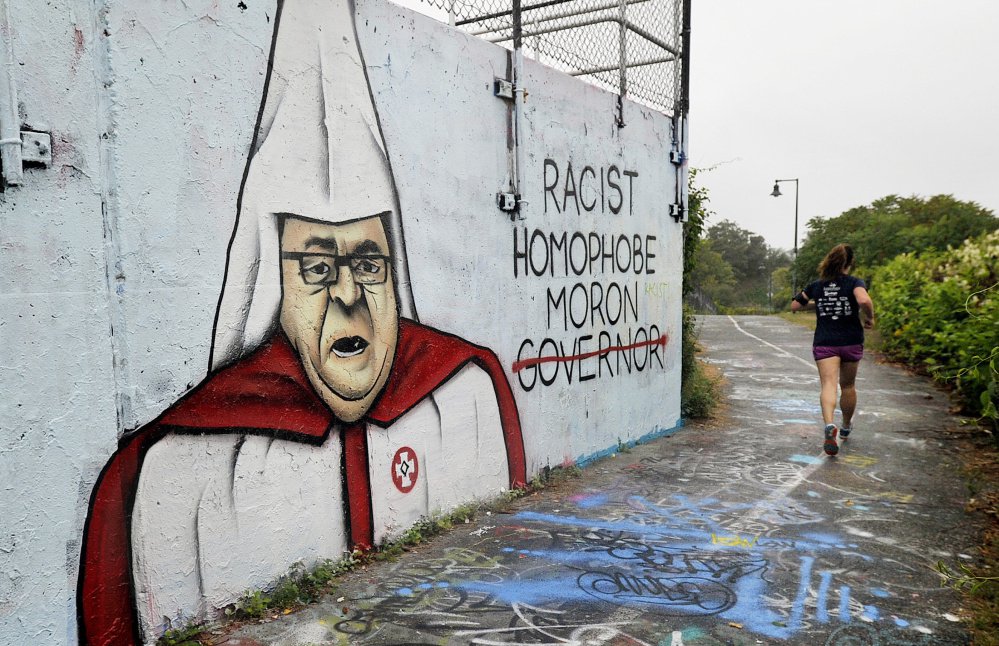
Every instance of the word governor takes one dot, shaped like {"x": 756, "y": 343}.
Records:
{"x": 604, "y": 189}
{"x": 601, "y": 356}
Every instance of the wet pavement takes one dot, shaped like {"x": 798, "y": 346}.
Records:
{"x": 739, "y": 531}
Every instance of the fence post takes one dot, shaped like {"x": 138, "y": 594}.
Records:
{"x": 622, "y": 59}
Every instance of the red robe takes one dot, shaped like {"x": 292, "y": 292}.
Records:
{"x": 266, "y": 393}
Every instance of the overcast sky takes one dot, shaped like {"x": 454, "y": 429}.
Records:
{"x": 857, "y": 98}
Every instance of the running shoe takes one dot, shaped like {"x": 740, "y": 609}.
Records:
{"x": 845, "y": 432}
{"x": 830, "y": 446}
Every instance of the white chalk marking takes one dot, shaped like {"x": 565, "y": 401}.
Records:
{"x": 782, "y": 351}
{"x": 858, "y": 532}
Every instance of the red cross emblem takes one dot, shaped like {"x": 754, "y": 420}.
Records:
{"x": 405, "y": 469}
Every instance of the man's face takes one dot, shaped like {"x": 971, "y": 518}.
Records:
{"x": 338, "y": 308}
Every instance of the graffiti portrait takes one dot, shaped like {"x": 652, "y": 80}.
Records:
{"x": 330, "y": 417}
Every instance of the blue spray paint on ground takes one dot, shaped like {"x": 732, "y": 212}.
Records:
{"x": 669, "y": 560}
{"x": 804, "y": 580}
{"x": 805, "y": 459}
{"x": 821, "y": 611}
{"x": 700, "y": 536}
{"x": 590, "y": 502}
{"x": 794, "y": 406}
{"x": 844, "y": 604}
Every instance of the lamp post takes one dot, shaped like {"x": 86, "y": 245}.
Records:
{"x": 794, "y": 269}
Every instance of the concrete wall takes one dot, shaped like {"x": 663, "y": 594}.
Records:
{"x": 498, "y": 346}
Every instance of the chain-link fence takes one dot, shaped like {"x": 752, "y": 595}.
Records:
{"x": 634, "y": 48}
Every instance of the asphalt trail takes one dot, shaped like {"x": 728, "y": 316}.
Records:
{"x": 738, "y": 531}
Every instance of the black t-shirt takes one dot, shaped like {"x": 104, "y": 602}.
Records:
{"x": 837, "y": 316}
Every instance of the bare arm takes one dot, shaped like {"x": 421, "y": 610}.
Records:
{"x": 866, "y": 306}
{"x": 796, "y": 305}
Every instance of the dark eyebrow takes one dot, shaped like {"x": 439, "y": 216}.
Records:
{"x": 329, "y": 244}
{"x": 368, "y": 247}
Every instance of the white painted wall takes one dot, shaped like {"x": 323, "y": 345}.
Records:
{"x": 151, "y": 107}
{"x": 57, "y": 386}
{"x": 461, "y": 246}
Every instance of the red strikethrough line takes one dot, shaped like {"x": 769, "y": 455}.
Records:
{"x": 527, "y": 363}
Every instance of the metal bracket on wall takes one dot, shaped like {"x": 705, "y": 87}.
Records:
{"x": 508, "y": 199}
{"x": 36, "y": 148}
{"x": 31, "y": 147}
{"x": 676, "y": 210}
{"x": 510, "y": 203}
{"x": 678, "y": 158}
{"x": 503, "y": 88}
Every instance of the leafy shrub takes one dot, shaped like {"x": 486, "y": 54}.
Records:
{"x": 298, "y": 587}
{"x": 688, "y": 346}
{"x": 187, "y": 636}
{"x": 698, "y": 390}
{"x": 700, "y": 395}
{"x": 892, "y": 225}
{"x": 939, "y": 312}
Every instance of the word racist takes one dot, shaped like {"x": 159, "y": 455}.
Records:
{"x": 590, "y": 188}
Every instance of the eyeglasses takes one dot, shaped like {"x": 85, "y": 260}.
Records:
{"x": 324, "y": 268}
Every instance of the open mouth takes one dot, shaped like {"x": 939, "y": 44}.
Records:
{"x": 349, "y": 346}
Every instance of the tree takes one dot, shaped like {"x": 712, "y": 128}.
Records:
{"x": 693, "y": 228}
{"x": 744, "y": 250}
{"x": 890, "y": 226}
{"x": 712, "y": 275}
{"x": 781, "y": 281}
{"x": 752, "y": 262}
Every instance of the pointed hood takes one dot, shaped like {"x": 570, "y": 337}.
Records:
{"x": 318, "y": 153}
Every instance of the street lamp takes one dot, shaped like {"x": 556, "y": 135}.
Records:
{"x": 794, "y": 268}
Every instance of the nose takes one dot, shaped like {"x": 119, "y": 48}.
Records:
{"x": 345, "y": 289}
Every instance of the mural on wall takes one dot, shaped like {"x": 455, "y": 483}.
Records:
{"x": 330, "y": 418}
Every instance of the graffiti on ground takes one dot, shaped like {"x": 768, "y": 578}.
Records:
{"x": 672, "y": 563}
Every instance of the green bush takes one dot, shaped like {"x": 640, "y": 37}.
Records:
{"x": 939, "y": 312}
{"x": 698, "y": 390}
{"x": 699, "y": 396}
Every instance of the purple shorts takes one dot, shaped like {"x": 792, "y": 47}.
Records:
{"x": 844, "y": 352}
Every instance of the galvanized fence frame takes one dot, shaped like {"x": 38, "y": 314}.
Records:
{"x": 638, "y": 49}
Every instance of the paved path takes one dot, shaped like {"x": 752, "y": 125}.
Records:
{"x": 739, "y": 532}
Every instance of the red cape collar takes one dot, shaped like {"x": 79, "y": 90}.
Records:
{"x": 268, "y": 390}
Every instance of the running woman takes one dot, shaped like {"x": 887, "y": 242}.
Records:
{"x": 838, "y": 345}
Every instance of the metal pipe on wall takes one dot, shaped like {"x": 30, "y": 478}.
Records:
{"x": 10, "y": 121}
{"x": 684, "y": 106}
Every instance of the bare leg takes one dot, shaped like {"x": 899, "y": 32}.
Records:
{"x": 828, "y": 379}
{"x": 848, "y": 396}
